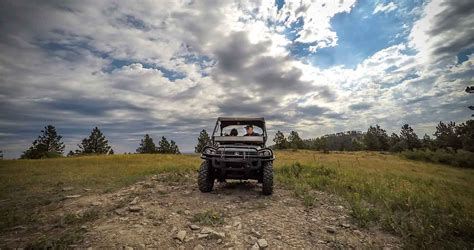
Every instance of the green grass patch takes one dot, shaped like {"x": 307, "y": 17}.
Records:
{"x": 428, "y": 205}
{"x": 209, "y": 217}
{"x": 309, "y": 200}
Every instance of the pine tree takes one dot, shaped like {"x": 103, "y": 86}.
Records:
{"x": 203, "y": 140}
{"x": 393, "y": 139}
{"x": 322, "y": 144}
{"x": 427, "y": 142}
{"x": 167, "y": 147}
{"x": 164, "y": 146}
{"x": 47, "y": 145}
{"x": 294, "y": 140}
{"x": 357, "y": 145}
{"x": 96, "y": 143}
{"x": 376, "y": 138}
{"x": 465, "y": 132}
{"x": 280, "y": 140}
{"x": 446, "y": 136}
{"x": 147, "y": 146}
{"x": 409, "y": 137}
{"x": 174, "y": 148}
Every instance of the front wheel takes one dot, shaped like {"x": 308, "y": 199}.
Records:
{"x": 267, "y": 178}
{"x": 205, "y": 178}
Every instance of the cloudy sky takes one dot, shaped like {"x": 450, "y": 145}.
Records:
{"x": 169, "y": 67}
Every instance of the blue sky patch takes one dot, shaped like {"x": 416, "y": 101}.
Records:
{"x": 463, "y": 55}
{"x": 362, "y": 33}
{"x": 136, "y": 23}
{"x": 202, "y": 60}
{"x": 172, "y": 75}
{"x": 279, "y": 4}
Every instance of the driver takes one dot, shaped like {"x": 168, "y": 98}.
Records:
{"x": 249, "y": 129}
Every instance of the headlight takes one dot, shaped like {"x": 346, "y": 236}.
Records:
{"x": 265, "y": 152}
{"x": 209, "y": 151}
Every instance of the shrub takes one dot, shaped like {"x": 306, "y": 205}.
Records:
{"x": 464, "y": 159}
{"x": 209, "y": 217}
{"x": 53, "y": 155}
{"x": 293, "y": 170}
{"x": 460, "y": 158}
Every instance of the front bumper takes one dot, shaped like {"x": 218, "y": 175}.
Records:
{"x": 237, "y": 166}
{"x": 237, "y": 163}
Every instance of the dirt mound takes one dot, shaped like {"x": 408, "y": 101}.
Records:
{"x": 162, "y": 213}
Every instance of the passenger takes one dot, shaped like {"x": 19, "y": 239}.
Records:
{"x": 234, "y": 132}
{"x": 250, "y": 132}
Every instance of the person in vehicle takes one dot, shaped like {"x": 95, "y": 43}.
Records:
{"x": 234, "y": 132}
{"x": 249, "y": 129}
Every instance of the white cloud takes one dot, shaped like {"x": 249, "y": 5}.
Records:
{"x": 316, "y": 16}
{"x": 107, "y": 64}
{"x": 386, "y": 8}
{"x": 444, "y": 30}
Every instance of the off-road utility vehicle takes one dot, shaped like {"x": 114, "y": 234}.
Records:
{"x": 237, "y": 157}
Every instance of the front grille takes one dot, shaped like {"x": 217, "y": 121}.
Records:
{"x": 239, "y": 153}
{"x": 235, "y": 165}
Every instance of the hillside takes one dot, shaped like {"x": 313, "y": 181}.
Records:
{"x": 326, "y": 200}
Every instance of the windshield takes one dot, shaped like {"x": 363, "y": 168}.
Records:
{"x": 240, "y": 130}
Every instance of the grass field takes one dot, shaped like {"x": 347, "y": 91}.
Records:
{"x": 426, "y": 204}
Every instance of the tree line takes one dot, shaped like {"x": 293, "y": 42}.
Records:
{"x": 147, "y": 146}
{"x": 448, "y": 136}
{"x": 49, "y": 145}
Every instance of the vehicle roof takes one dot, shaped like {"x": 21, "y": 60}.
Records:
{"x": 243, "y": 119}
{"x": 229, "y": 121}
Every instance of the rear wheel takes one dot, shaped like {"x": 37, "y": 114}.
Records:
{"x": 267, "y": 178}
{"x": 205, "y": 178}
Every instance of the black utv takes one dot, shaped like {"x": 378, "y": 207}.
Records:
{"x": 237, "y": 156}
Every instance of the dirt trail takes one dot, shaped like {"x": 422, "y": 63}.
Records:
{"x": 164, "y": 214}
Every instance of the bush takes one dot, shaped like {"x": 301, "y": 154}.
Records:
{"x": 293, "y": 170}
{"x": 52, "y": 155}
{"x": 444, "y": 156}
{"x": 419, "y": 155}
{"x": 464, "y": 159}
{"x": 460, "y": 158}
{"x": 397, "y": 147}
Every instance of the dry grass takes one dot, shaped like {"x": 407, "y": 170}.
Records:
{"x": 426, "y": 204}
{"x": 28, "y": 184}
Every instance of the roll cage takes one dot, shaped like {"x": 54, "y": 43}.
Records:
{"x": 222, "y": 122}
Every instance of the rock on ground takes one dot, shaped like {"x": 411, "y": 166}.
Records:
{"x": 262, "y": 243}
{"x": 181, "y": 235}
{"x": 72, "y": 196}
{"x": 134, "y": 209}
